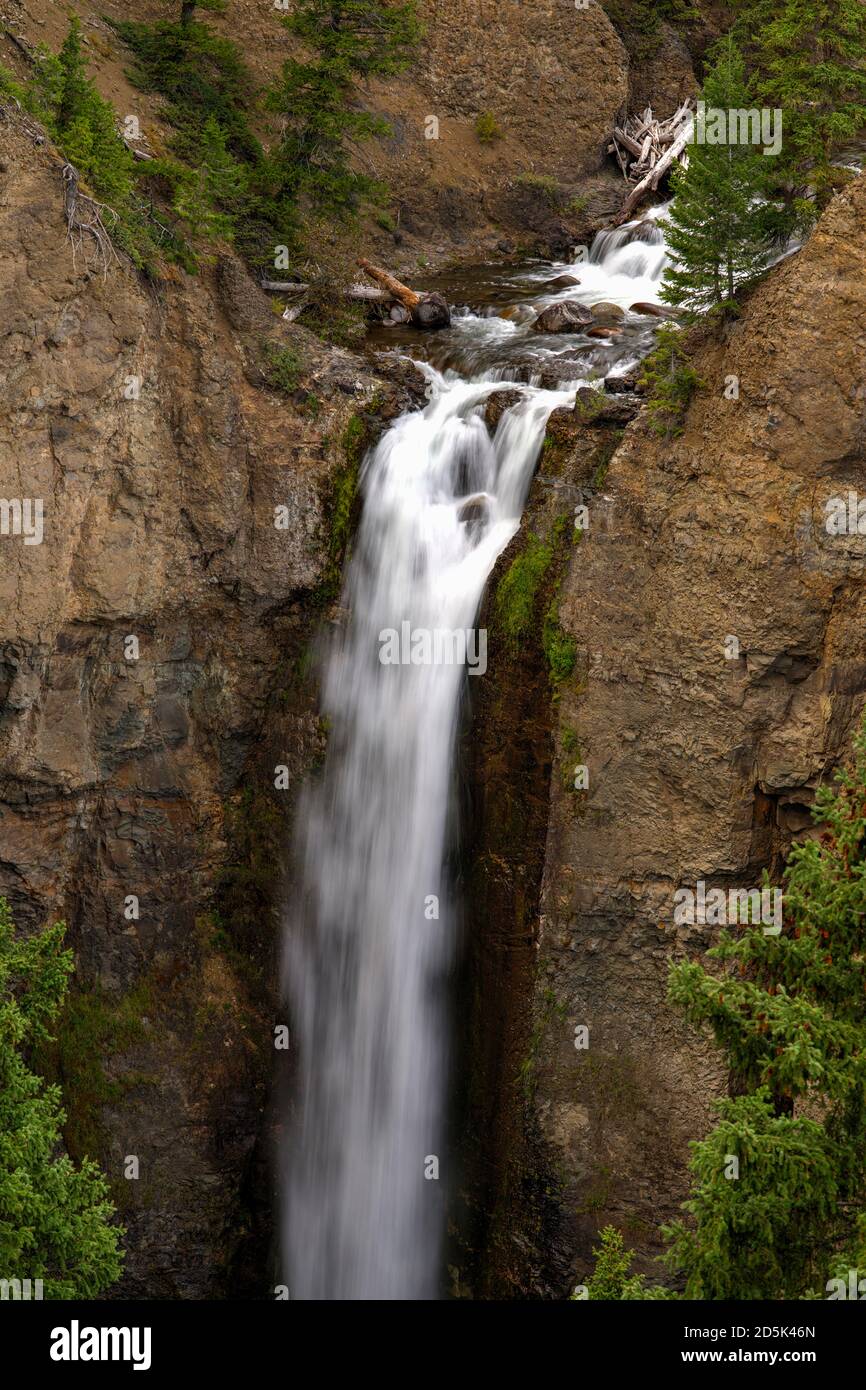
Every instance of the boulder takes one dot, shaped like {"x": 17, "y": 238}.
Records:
{"x": 568, "y": 316}
{"x": 474, "y": 511}
{"x": 620, "y": 385}
{"x": 605, "y": 312}
{"x": 497, "y": 404}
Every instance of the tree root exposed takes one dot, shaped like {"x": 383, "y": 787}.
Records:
{"x": 85, "y": 229}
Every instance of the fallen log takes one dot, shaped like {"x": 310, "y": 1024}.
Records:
{"x": 410, "y": 299}
{"x": 425, "y": 310}
{"x": 367, "y": 293}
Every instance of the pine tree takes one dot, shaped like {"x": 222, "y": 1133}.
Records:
{"x": 54, "y": 1217}
{"x": 83, "y": 124}
{"x": 808, "y": 58}
{"x": 612, "y": 1279}
{"x": 74, "y": 93}
{"x": 789, "y": 1012}
{"x": 351, "y": 39}
{"x": 209, "y": 197}
{"x": 716, "y": 226}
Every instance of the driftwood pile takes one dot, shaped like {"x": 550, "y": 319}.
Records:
{"x": 646, "y": 148}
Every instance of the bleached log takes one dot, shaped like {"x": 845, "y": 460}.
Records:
{"x": 631, "y": 145}
{"x": 284, "y": 286}
{"x": 366, "y": 293}
{"x": 652, "y": 180}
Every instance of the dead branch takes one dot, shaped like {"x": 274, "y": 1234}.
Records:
{"x": 85, "y": 228}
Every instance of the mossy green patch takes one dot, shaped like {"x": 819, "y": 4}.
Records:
{"x": 93, "y": 1026}
{"x": 284, "y": 367}
{"x": 355, "y": 441}
{"x": 559, "y": 648}
{"x": 243, "y": 920}
{"x": 518, "y": 590}
{"x": 549, "y": 1011}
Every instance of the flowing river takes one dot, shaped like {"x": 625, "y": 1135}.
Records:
{"x": 370, "y": 947}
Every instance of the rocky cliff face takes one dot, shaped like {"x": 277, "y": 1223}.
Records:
{"x": 151, "y": 679}
{"x": 552, "y": 77}
{"x": 143, "y": 769}
{"x": 721, "y": 669}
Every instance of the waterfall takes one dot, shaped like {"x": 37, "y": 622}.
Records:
{"x": 370, "y": 943}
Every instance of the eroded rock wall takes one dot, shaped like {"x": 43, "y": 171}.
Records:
{"x": 702, "y": 764}
{"x": 140, "y": 418}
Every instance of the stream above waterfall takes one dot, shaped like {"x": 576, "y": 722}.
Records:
{"x": 495, "y": 306}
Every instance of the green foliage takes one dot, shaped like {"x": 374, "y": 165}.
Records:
{"x": 611, "y": 1279}
{"x": 246, "y": 885}
{"x": 717, "y": 230}
{"x": 639, "y": 21}
{"x": 559, "y": 648}
{"x": 342, "y": 503}
{"x": 789, "y": 1012}
{"x": 214, "y": 194}
{"x": 518, "y": 589}
{"x": 189, "y": 7}
{"x": 83, "y": 124}
{"x": 487, "y": 128}
{"x": 64, "y": 99}
{"x": 315, "y": 97}
{"x": 808, "y": 57}
{"x": 92, "y": 1025}
{"x": 768, "y": 1232}
{"x": 544, "y": 185}
{"x": 284, "y": 368}
{"x": 669, "y": 380}
{"x": 54, "y": 1217}
{"x": 203, "y": 79}
{"x": 231, "y": 188}
{"x": 332, "y": 317}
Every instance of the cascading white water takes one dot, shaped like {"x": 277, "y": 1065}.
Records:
{"x": 366, "y": 960}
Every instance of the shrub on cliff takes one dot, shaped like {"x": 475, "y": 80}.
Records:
{"x": 82, "y": 123}
{"x": 669, "y": 380}
{"x": 779, "y": 1185}
{"x": 221, "y": 183}
{"x": 55, "y": 1218}
{"x": 612, "y": 1280}
{"x": 348, "y": 40}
